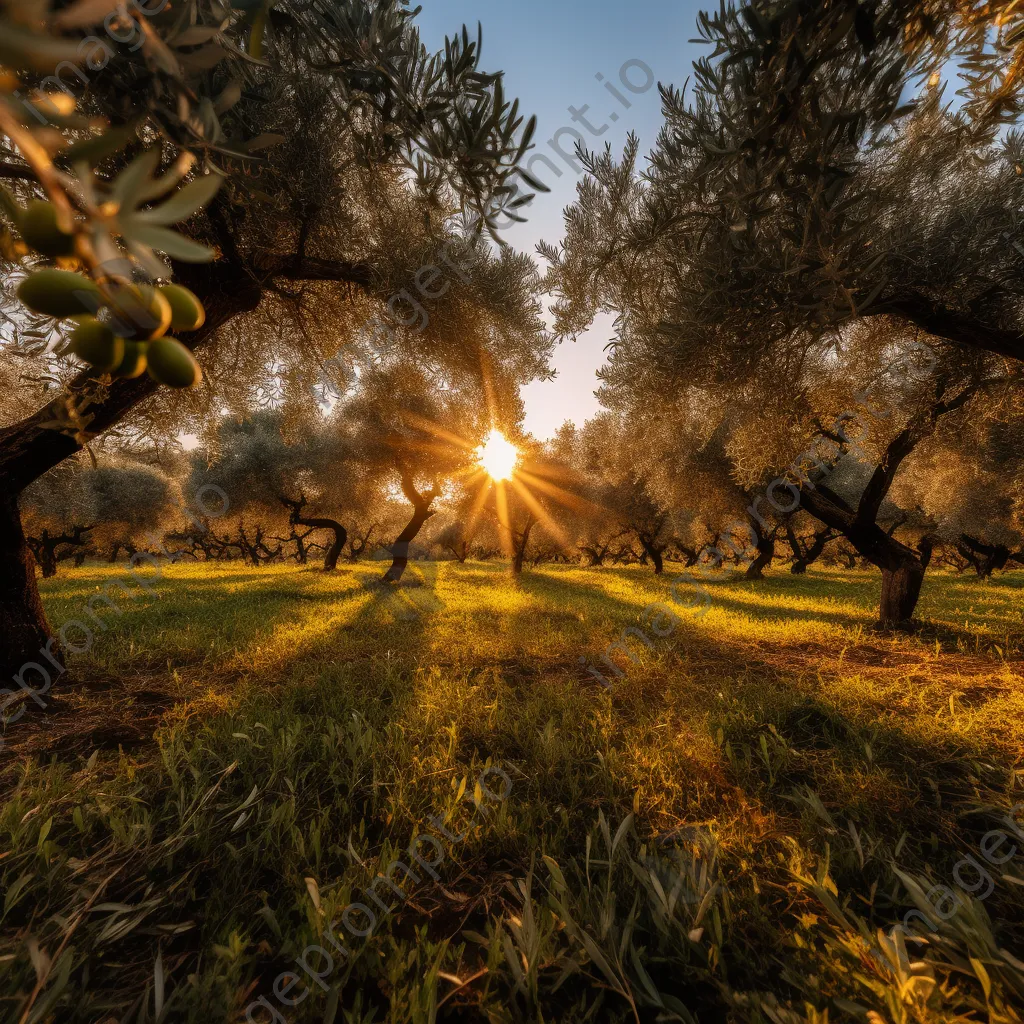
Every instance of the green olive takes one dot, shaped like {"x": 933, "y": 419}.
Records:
{"x": 187, "y": 313}
{"x": 140, "y": 312}
{"x": 95, "y": 343}
{"x": 134, "y": 362}
{"x": 39, "y": 228}
{"x": 172, "y": 364}
{"x": 59, "y": 293}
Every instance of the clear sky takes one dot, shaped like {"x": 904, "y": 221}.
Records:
{"x": 552, "y": 52}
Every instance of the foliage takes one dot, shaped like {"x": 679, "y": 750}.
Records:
{"x": 349, "y": 156}
{"x": 126, "y": 504}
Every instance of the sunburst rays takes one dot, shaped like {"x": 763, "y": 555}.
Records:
{"x": 497, "y": 455}
{"x": 497, "y": 473}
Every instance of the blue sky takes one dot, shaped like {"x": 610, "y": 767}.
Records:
{"x": 551, "y": 52}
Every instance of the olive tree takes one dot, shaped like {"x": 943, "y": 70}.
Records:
{"x": 133, "y": 505}
{"x": 113, "y": 506}
{"x": 348, "y": 157}
{"x": 57, "y": 516}
{"x": 792, "y": 221}
{"x": 416, "y": 438}
{"x": 291, "y": 482}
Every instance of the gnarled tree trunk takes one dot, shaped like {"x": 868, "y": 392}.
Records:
{"x": 421, "y": 513}
{"x": 653, "y": 550}
{"x": 24, "y": 630}
{"x": 764, "y": 556}
{"x": 986, "y": 558}
{"x": 803, "y": 558}
{"x": 318, "y": 523}
{"x": 46, "y": 547}
{"x": 45, "y": 550}
{"x": 400, "y": 549}
{"x": 337, "y": 545}
{"x": 902, "y": 567}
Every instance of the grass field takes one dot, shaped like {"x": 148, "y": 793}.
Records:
{"x": 729, "y": 832}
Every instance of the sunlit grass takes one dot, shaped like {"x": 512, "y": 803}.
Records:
{"x": 352, "y": 710}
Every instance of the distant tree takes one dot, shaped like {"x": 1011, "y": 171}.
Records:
{"x": 487, "y": 541}
{"x": 358, "y": 542}
{"x": 415, "y": 437}
{"x": 518, "y": 526}
{"x": 50, "y": 549}
{"x": 115, "y": 506}
{"x": 455, "y": 540}
{"x": 807, "y": 542}
{"x": 697, "y": 469}
{"x": 609, "y": 454}
{"x": 283, "y": 479}
{"x": 56, "y": 513}
{"x": 967, "y": 481}
{"x": 133, "y": 506}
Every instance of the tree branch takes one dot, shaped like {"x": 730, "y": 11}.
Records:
{"x": 961, "y": 329}
{"x": 309, "y": 268}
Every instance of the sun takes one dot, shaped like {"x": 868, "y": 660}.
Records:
{"x": 497, "y": 456}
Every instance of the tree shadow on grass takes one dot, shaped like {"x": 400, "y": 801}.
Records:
{"x": 791, "y": 742}
{"x": 826, "y": 741}
{"x": 98, "y": 707}
{"x": 388, "y": 620}
{"x": 768, "y": 680}
{"x": 762, "y": 610}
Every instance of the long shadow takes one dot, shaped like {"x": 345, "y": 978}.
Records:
{"x": 194, "y": 613}
{"x": 828, "y": 739}
{"x": 765, "y": 612}
{"x": 659, "y": 589}
{"x": 387, "y": 625}
{"x": 939, "y": 773}
{"x": 929, "y": 769}
{"x": 389, "y": 622}
{"x": 549, "y": 585}
{"x": 88, "y": 577}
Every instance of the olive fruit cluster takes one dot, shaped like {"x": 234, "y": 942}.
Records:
{"x": 130, "y": 339}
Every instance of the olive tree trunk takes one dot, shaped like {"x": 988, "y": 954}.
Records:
{"x": 400, "y": 549}
{"x": 653, "y": 551}
{"x": 519, "y": 544}
{"x": 764, "y": 556}
{"x": 24, "y": 630}
{"x": 901, "y": 588}
{"x": 340, "y": 536}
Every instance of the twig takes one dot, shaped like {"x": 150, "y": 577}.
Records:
{"x": 462, "y": 985}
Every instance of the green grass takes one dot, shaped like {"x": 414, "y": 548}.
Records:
{"x": 721, "y": 835}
